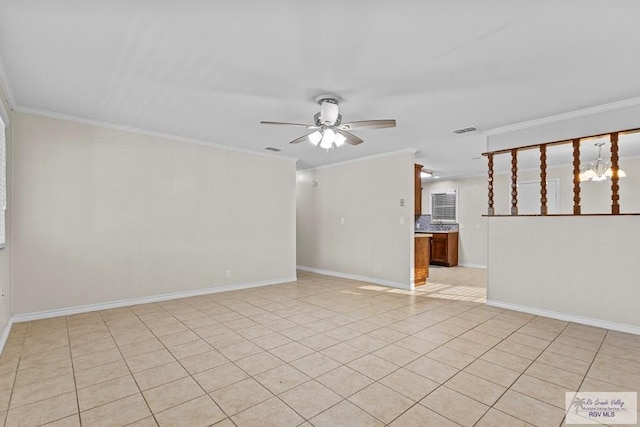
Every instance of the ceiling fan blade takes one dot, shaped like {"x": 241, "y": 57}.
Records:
{"x": 289, "y": 124}
{"x": 351, "y": 138}
{"x": 368, "y": 124}
{"x": 302, "y": 138}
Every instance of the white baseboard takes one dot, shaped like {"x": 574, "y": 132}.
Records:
{"x": 142, "y": 300}
{"x": 620, "y": 327}
{"x": 473, "y": 265}
{"x": 375, "y": 280}
{"x": 5, "y": 334}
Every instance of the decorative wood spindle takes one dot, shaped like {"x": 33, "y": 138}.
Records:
{"x": 543, "y": 180}
{"x": 514, "y": 182}
{"x": 576, "y": 176}
{"x": 615, "y": 205}
{"x": 490, "y": 210}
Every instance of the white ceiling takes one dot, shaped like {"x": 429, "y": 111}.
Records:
{"x": 211, "y": 70}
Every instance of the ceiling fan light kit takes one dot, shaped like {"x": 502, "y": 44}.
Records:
{"x": 328, "y": 130}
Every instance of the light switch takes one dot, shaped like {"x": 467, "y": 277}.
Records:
{"x": 341, "y": 220}
{"x": 401, "y": 220}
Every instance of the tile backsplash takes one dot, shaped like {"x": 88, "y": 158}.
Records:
{"x": 423, "y": 223}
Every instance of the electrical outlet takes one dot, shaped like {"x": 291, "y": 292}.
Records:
{"x": 227, "y": 274}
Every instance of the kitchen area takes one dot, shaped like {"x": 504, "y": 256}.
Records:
{"x": 436, "y": 242}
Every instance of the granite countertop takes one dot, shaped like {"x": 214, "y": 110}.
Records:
{"x": 423, "y": 234}
{"x": 436, "y": 231}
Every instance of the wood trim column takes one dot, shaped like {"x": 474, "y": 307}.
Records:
{"x": 615, "y": 188}
{"x": 576, "y": 176}
{"x": 490, "y": 209}
{"x": 514, "y": 182}
{"x": 543, "y": 180}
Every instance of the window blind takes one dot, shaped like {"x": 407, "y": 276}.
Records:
{"x": 444, "y": 206}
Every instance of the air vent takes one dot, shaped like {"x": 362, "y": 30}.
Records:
{"x": 465, "y": 130}
{"x": 272, "y": 149}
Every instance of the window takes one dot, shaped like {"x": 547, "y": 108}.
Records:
{"x": 444, "y": 206}
{"x": 3, "y": 183}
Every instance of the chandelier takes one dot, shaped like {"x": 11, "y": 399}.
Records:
{"x": 599, "y": 170}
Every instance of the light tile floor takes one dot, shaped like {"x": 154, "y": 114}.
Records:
{"x": 321, "y": 351}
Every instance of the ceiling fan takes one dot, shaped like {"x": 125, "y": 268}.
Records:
{"x": 328, "y": 130}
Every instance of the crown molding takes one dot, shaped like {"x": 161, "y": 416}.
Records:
{"x": 124, "y": 128}
{"x": 6, "y": 87}
{"x": 360, "y": 159}
{"x": 631, "y": 102}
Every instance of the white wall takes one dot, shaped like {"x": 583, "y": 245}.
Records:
{"x": 582, "y": 267}
{"x": 104, "y": 215}
{"x": 5, "y": 254}
{"x": 472, "y": 204}
{"x": 371, "y": 243}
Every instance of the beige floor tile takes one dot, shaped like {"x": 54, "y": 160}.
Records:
{"x": 282, "y": 378}
{"x": 367, "y": 343}
{"x": 272, "y": 340}
{"x": 149, "y": 360}
{"x": 172, "y": 394}
{"x": 343, "y": 352}
{"x": 574, "y": 352}
{"x": 191, "y": 348}
{"x": 345, "y": 414}
{"x": 554, "y": 375}
{"x": 396, "y": 354}
{"x": 259, "y": 363}
{"x": 41, "y": 390}
{"x": 79, "y": 349}
{"x": 145, "y": 422}
{"x": 492, "y": 372}
{"x": 119, "y": 413}
{"x": 201, "y": 411}
{"x": 625, "y": 365}
{"x": 480, "y": 338}
{"x": 433, "y": 336}
{"x": 72, "y": 421}
{"x": 5, "y": 395}
{"x": 211, "y": 330}
{"x": 432, "y": 369}
{"x": 528, "y": 340}
{"x": 475, "y": 387}
{"x": 315, "y": 364}
{"x": 542, "y": 390}
{"x": 270, "y": 413}
{"x": 506, "y": 360}
{"x": 455, "y": 406}
{"x": 467, "y": 347}
{"x": 613, "y": 375}
{"x": 495, "y": 418}
{"x": 344, "y": 381}
{"x": 417, "y": 345}
{"x": 563, "y": 362}
{"x": 225, "y": 340}
{"x": 538, "y": 333}
{"x": 143, "y": 347}
{"x": 92, "y": 360}
{"x": 100, "y": 374}
{"x": 298, "y": 332}
{"x": 292, "y": 351}
{"x": 372, "y": 366}
{"x": 134, "y": 337}
{"x": 240, "y": 350}
{"x": 529, "y": 409}
{"x": 241, "y": 395}
{"x": 218, "y": 377}
{"x": 43, "y": 411}
{"x": 451, "y": 357}
{"x": 310, "y": 398}
{"x": 578, "y": 342}
{"x": 409, "y": 384}
{"x": 381, "y": 402}
{"x": 159, "y": 375}
{"x": 203, "y": 362}
{"x": 419, "y": 416}
{"x": 43, "y": 372}
{"x": 520, "y": 350}
{"x": 106, "y": 392}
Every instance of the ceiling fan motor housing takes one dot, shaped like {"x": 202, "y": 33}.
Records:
{"x": 329, "y": 111}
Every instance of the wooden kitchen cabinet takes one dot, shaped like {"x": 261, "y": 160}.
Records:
{"x": 444, "y": 249}
{"x": 421, "y": 259}
{"x": 418, "y": 189}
